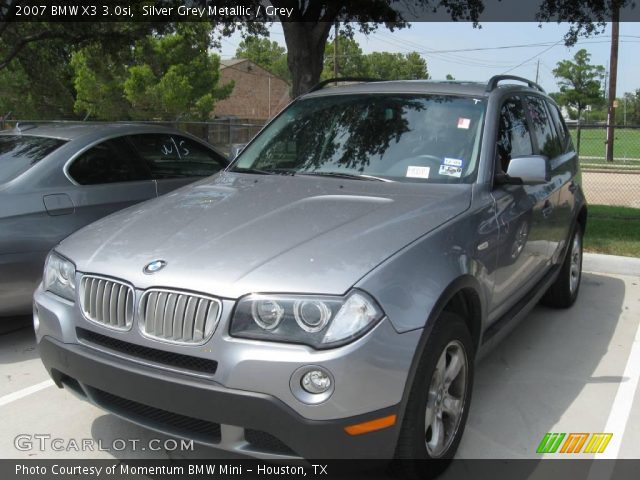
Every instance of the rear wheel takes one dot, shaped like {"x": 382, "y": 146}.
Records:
{"x": 439, "y": 400}
{"x": 564, "y": 291}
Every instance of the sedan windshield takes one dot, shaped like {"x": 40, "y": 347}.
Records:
{"x": 410, "y": 138}
{"x": 19, "y": 153}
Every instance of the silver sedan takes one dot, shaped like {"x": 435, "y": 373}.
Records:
{"x": 55, "y": 179}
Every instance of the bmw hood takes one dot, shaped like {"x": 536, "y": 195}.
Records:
{"x": 233, "y": 234}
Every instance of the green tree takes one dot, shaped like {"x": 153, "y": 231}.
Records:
{"x": 307, "y": 36}
{"x": 580, "y": 85}
{"x": 351, "y": 62}
{"x": 37, "y": 84}
{"x": 163, "y": 77}
{"x": 629, "y": 103}
{"x": 383, "y": 65}
{"x": 98, "y": 79}
{"x": 396, "y": 66}
{"x": 266, "y": 53}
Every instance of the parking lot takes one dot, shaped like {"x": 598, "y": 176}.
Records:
{"x": 559, "y": 371}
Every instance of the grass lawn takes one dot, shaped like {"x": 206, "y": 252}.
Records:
{"x": 613, "y": 230}
{"x": 626, "y": 148}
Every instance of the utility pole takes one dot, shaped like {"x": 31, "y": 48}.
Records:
{"x": 537, "y": 70}
{"x": 613, "y": 75}
{"x": 335, "y": 51}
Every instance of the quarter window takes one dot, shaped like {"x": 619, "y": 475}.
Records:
{"x": 548, "y": 143}
{"x": 561, "y": 128}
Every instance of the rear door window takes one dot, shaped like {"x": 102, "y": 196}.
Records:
{"x": 174, "y": 156}
{"x": 111, "y": 161}
{"x": 514, "y": 137}
{"x": 18, "y": 153}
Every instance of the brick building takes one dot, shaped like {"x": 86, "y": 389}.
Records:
{"x": 257, "y": 95}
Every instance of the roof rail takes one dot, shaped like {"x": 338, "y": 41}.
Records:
{"x": 493, "y": 82}
{"x": 324, "y": 83}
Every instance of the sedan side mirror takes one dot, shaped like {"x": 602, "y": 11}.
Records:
{"x": 529, "y": 170}
{"x": 236, "y": 148}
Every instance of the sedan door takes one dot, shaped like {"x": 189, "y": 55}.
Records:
{"x": 523, "y": 213}
{"x": 107, "y": 177}
{"x": 175, "y": 160}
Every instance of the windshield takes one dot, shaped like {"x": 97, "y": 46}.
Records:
{"x": 19, "y": 153}
{"x": 391, "y": 137}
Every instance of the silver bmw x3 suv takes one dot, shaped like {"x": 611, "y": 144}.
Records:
{"x": 328, "y": 294}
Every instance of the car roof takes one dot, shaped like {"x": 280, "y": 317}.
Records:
{"x": 447, "y": 87}
{"x": 72, "y": 131}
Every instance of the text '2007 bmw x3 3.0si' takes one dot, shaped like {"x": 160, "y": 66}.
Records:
{"x": 327, "y": 294}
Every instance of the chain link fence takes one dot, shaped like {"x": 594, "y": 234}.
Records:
{"x": 610, "y": 183}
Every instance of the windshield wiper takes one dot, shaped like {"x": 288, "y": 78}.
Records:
{"x": 350, "y": 176}
{"x": 250, "y": 170}
{"x": 257, "y": 171}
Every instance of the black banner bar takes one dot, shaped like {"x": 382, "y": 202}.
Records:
{"x": 546, "y": 469}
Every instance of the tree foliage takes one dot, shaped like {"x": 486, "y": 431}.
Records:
{"x": 162, "y": 77}
{"x": 580, "y": 82}
{"x": 586, "y": 17}
{"x": 306, "y": 37}
{"x": 266, "y": 53}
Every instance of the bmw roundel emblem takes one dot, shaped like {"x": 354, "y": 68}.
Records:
{"x": 154, "y": 266}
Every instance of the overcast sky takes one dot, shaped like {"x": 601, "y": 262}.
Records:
{"x": 428, "y": 38}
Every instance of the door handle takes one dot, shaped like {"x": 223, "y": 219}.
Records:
{"x": 547, "y": 209}
{"x": 573, "y": 186}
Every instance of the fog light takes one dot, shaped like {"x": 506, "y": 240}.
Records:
{"x": 316, "y": 381}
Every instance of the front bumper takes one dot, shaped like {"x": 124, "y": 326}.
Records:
{"x": 246, "y": 406}
{"x": 117, "y": 386}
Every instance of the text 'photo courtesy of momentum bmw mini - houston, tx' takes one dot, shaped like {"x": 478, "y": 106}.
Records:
{"x": 328, "y": 294}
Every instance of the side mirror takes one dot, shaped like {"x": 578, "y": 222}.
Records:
{"x": 530, "y": 170}
{"x": 236, "y": 148}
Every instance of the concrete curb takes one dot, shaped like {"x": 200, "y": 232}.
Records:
{"x": 597, "y": 262}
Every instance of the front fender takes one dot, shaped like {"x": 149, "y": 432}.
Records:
{"x": 416, "y": 283}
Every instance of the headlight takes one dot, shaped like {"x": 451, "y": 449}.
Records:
{"x": 315, "y": 320}
{"x": 59, "y": 276}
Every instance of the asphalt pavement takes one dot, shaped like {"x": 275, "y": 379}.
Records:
{"x": 560, "y": 371}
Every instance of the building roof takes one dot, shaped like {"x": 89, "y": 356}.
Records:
{"x": 231, "y": 62}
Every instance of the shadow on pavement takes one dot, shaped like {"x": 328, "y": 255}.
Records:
{"x": 532, "y": 379}
{"x": 18, "y": 344}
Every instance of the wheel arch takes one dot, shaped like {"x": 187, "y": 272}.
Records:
{"x": 462, "y": 297}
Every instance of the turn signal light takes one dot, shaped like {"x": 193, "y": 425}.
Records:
{"x": 371, "y": 426}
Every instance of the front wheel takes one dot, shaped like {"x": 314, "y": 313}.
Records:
{"x": 439, "y": 400}
{"x": 564, "y": 291}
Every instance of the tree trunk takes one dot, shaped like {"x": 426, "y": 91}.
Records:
{"x": 306, "y": 42}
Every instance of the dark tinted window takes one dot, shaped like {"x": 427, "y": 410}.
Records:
{"x": 410, "y": 138}
{"x": 173, "y": 156}
{"x": 111, "y": 161}
{"x": 548, "y": 143}
{"x": 18, "y": 153}
{"x": 514, "y": 138}
{"x": 561, "y": 129}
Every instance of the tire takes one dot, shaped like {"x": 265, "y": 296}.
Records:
{"x": 428, "y": 398}
{"x": 564, "y": 291}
